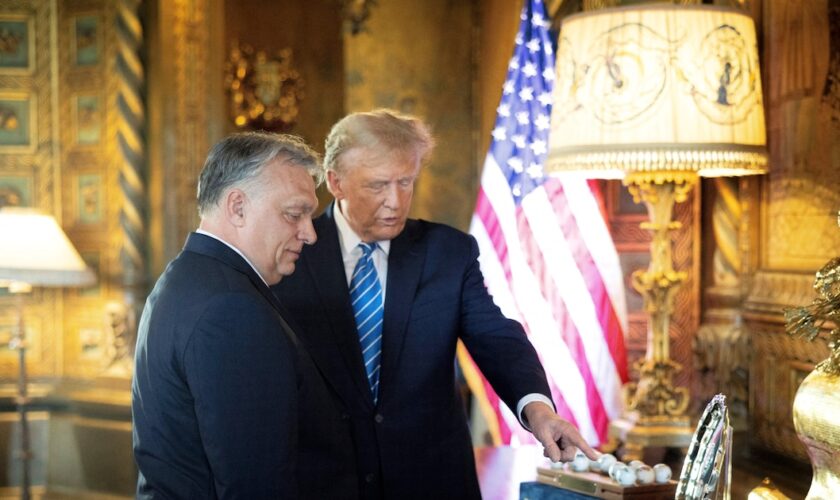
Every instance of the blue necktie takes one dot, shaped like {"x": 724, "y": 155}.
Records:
{"x": 366, "y": 299}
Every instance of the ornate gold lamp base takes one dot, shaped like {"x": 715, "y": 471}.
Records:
{"x": 656, "y": 409}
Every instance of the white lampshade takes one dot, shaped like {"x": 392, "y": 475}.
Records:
{"x": 35, "y": 251}
{"x": 658, "y": 88}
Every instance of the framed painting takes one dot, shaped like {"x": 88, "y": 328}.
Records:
{"x": 17, "y": 122}
{"x": 86, "y": 40}
{"x": 15, "y": 191}
{"x": 88, "y": 119}
{"x": 17, "y": 36}
{"x": 89, "y": 198}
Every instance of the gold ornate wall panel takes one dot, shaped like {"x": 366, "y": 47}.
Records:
{"x": 71, "y": 127}
{"x": 312, "y": 30}
{"x": 191, "y": 34}
{"x": 103, "y": 165}
{"x": 185, "y": 102}
{"x": 803, "y": 192}
{"x": 799, "y": 200}
{"x": 413, "y": 57}
{"x": 29, "y": 169}
{"x": 780, "y": 362}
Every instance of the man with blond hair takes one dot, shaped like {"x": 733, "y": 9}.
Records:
{"x": 382, "y": 301}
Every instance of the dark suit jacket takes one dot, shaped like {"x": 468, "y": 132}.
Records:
{"x": 415, "y": 442}
{"x": 223, "y": 399}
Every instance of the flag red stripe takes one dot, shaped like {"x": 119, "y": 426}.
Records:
{"x": 489, "y": 219}
{"x": 604, "y": 307}
{"x": 485, "y": 212}
{"x": 568, "y": 330}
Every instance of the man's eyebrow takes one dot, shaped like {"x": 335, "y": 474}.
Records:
{"x": 300, "y": 205}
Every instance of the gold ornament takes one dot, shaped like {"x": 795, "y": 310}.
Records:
{"x": 817, "y": 401}
{"x": 265, "y": 91}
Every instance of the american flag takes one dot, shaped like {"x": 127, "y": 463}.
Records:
{"x": 547, "y": 256}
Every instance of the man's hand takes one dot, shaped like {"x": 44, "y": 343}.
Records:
{"x": 560, "y": 439}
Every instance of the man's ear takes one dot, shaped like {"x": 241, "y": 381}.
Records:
{"x": 334, "y": 185}
{"x": 235, "y": 205}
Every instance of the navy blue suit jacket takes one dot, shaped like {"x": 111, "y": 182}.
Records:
{"x": 415, "y": 442}
{"x": 224, "y": 400}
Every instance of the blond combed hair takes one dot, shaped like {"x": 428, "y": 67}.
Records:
{"x": 383, "y": 130}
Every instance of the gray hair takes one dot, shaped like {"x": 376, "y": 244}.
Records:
{"x": 238, "y": 159}
{"x": 381, "y": 129}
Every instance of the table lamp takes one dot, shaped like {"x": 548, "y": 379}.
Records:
{"x": 34, "y": 252}
{"x": 657, "y": 95}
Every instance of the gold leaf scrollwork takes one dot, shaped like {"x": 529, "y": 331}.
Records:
{"x": 264, "y": 90}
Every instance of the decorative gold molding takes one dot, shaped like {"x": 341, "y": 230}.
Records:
{"x": 771, "y": 291}
{"x": 779, "y": 364}
{"x": 191, "y": 58}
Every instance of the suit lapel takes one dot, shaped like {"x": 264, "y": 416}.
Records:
{"x": 405, "y": 265}
{"x": 325, "y": 265}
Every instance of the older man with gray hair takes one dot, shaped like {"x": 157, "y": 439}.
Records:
{"x": 224, "y": 399}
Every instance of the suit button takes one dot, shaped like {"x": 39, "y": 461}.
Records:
{"x": 345, "y": 416}
{"x": 369, "y": 478}
{"x": 378, "y": 418}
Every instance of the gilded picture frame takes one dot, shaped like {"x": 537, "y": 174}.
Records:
{"x": 86, "y": 37}
{"x": 15, "y": 191}
{"x": 18, "y": 124}
{"x": 87, "y": 119}
{"x": 90, "y": 199}
{"x": 17, "y": 44}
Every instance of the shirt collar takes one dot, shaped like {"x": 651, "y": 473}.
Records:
{"x": 348, "y": 238}
{"x": 205, "y": 233}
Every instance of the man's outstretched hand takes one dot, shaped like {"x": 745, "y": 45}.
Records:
{"x": 560, "y": 439}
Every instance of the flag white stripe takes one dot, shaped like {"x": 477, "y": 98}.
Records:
{"x": 598, "y": 241}
{"x": 547, "y": 263}
{"x": 557, "y": 360}
{"x": 494, "y": 274}
{"x": 570, "y": 284}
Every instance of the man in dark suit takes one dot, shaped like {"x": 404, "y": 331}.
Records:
{"x": 225, "y": 403}
{"x": 383, "y": 300}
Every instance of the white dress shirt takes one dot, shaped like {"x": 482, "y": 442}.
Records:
{"x": 349, "y": 241}
{"x": 351, "y": 253}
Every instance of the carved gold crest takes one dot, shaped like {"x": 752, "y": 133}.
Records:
{"x": 264, "y": 90}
